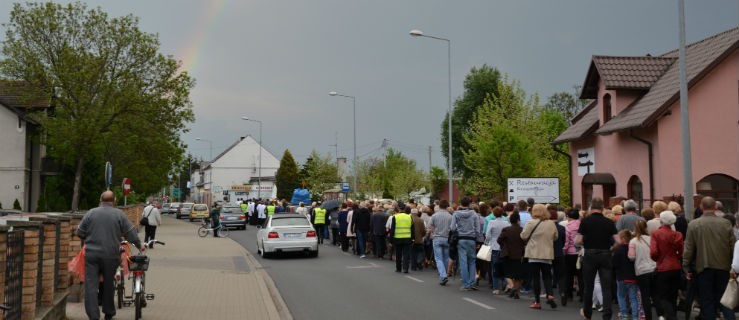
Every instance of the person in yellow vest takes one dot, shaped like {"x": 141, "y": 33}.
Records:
{"x": 401, "y": 234}
{"x": 319, "y": 221}
{"x": 271, "y": 208}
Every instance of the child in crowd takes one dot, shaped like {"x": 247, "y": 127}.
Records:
{"x": 625, "y": 278}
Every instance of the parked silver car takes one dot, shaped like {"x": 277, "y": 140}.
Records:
{"x": 185, "y": 210}
{"x": 232, "y": 217}
{"x": 165, "y": 208}
{"x": 287, "y": 232}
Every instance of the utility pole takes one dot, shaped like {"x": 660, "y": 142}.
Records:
{"x": 336, "y": 145}
{"x": 685, "y": 120}
{"x": 429, "y": 159}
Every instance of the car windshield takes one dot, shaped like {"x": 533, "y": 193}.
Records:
{"x": 199, "y": 207}
{"x": 230, "y": 210}
{"x": 187, "y": 205}
{"x": 290, "y": 222}
{"x": 166, "y": 205}
{"x": 175, "y": 204}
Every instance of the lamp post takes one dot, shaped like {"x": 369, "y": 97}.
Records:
{"x": 419, "y": 33}
{"x": 210, "y": 172}
{"x": 354, "y": 108}
{"x": 259, "y": 178}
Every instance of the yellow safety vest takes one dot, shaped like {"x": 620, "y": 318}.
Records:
{"x": 320, "y": 216}
{"x": 270, "y": 210}
{"x": 403, "y": 223}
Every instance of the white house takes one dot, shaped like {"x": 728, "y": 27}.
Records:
{"x": 234, "y": 174}
{"x": 20, "y": 161}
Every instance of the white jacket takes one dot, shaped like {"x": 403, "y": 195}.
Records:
{"x": 639, "y": 253}
{"x": 155, "y": 217}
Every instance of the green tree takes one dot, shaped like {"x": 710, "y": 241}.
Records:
{"x": 286, "y": 178}
{"x": 478, "y": 84}
{"x": 499, "y": 146}
{"x": 320, "y": 174}
{"x": 115, "y": 97}
{"x": 439, "y": 180}
{"x": 17, "y": 205}
{"x": 565, "y": 103}
{"x": 395, "y": 176}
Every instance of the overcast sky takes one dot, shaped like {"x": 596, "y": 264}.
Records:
{"x": 276, "y": 61}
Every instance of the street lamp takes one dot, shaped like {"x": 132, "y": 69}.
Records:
{"x": 259, "y": 178}
{"x": 419, "y": 33}
{"x": 354, "y": 107}
{"x": 210, "y": 173}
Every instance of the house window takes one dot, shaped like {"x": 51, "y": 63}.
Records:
{"x": 606, "y": 108}
{"x": 20, "y": 124}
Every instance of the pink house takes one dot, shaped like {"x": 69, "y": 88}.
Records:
{"x": 627, "y": 142}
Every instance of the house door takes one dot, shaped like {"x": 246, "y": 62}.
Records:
{"x": 721, "y": 187}
{"x": 605, "y": 180}
{"x": 634, "y": 191}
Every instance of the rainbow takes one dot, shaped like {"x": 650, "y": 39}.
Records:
{"x": 212, "y": 9}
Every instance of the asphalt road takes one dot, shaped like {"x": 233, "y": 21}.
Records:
{"x": 338, "y": 285}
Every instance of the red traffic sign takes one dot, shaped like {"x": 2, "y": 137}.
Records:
{"x": 126, "y": 186}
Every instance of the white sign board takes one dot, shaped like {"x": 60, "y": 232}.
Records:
{"x": 542, "y": 190}
{"x": 585, "y": 161}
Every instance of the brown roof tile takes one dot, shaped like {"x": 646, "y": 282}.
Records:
{"x": 701, "y": 57}
{"x": 585, "y": 122}
{"x": 631, "y": 72}
{"x": 17, "y": 94}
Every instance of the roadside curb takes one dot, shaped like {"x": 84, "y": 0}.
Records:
{"x": 274, "y": 293}
{"x": 280, "y": 305}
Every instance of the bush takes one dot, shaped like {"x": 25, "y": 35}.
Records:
{"x": 17, "y": 205}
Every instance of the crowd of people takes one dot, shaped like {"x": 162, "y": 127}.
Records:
{"x": 647, "y": 260}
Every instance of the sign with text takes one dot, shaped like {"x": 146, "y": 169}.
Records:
{"x": 585, "y": 161}
{"x": 345, "y": 187}
{"x": 542, "y": 190}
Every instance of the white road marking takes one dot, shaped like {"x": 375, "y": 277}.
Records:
{"x": 478, "y": 303}
{"x": 414, "y": 279}
{"x": 360, "y": 267}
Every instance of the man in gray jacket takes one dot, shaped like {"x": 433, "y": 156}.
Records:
{"x": 467, "y": 224}
{"x": 100, "y": 230}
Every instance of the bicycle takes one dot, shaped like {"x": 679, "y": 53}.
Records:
{"x": 205, "y": 229}
{"x": 138, "y": 265}
{"x": 119, "y": 281}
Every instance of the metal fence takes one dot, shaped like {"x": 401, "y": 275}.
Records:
{"x": 14, "y": 274}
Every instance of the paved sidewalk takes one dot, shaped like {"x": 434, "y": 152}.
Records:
{"x": 201, "y": 278}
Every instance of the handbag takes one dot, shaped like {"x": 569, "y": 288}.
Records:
{"x": 485, "y": 253}
{"x": 524, "y": 259}
{"x": 730, "y": 299}
{"x": 145, "y": 219}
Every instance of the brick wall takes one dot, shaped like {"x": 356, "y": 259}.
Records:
{"x": 65, "y": 236}
{"x": 3, "y": 253}
{"x": 47, "y": 273}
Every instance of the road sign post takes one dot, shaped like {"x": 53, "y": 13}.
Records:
{"x": 126, "y": 185}
{"x": 542, "y": 190}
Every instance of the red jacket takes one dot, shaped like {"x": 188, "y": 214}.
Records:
{"x": 666, "y": 249}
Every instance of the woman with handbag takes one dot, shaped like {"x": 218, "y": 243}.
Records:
{"x": 540, "y": 234}
{"x": 511, "y": 251}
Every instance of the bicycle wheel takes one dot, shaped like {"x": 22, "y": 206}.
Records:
{"x": 202, "y": 231}
{"x": 223, "y": 231}
{"x": 119, "y": 291}
{"x": 138, "y": 300}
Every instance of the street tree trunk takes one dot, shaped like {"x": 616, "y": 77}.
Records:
{"x": 77, "y": 183}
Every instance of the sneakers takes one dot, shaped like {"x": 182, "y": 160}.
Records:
{"x": 465, "y": 289}
{"x": 475, "y": 287}
{"x": 535, "y": 305}
{"x": 363, "y": 256}
{"x": 551, "y": 303}
{"x": 444, "y": 281}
